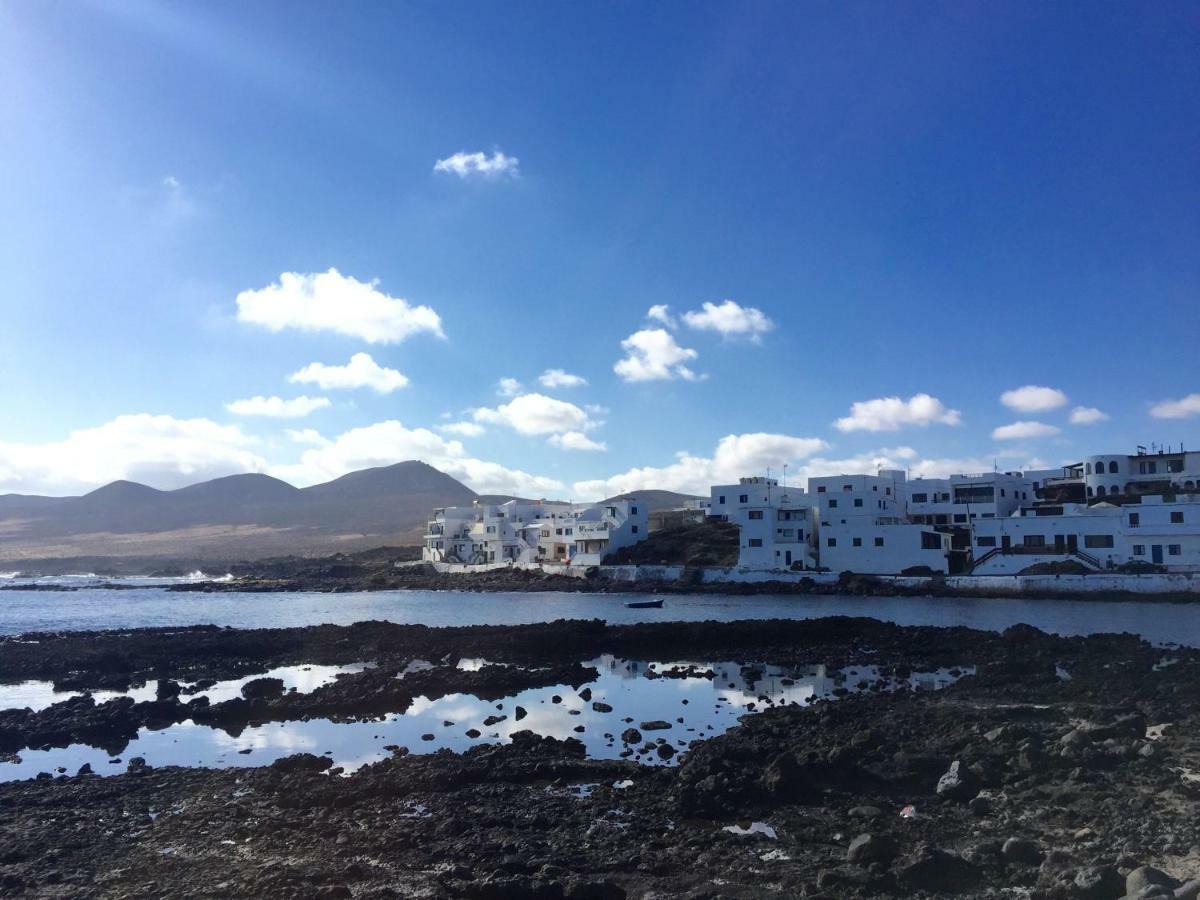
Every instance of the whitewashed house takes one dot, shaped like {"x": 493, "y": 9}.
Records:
{"x": 775, "y": 522}
{"x": 540, "y": 531}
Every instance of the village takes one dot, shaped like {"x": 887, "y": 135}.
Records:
{"x": 1131, "y": 514}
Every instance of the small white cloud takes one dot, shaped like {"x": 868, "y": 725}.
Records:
{"x": 1033, "y": 398}
{"x": 479, "y": 165}
{"x": 508, "y": 387}
{"x": 361, "y": 372}
{"x": 1019, "y": 430}
{"x": 1087, "y": 415}
{"x": 309, "y": 436}
{"x": 330, "y": 301}
{"x": 465, "y": 429}
{"x": 557, "y": 378}
{"x": 172, "y": 183}
{"x": 661, "y": 313}
{"x": 892, "y": 413}
{"x": 277, "y": 407}
{"x": 534, "y": 414}
{"x": 576, "y": 440}
{"x": 729, "y": 319}
{"x": 1182, "y": 408}
{"x": 653, "y": 355}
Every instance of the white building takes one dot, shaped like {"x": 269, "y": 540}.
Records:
{"x": 533, "y": 532}
{"x": 961, "y": 499}
{"x": 775, "y": 523}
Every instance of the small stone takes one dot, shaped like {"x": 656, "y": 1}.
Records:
{"x": 601, "y": 707}
{"x": 866, "y": 812}
{"x": 631, "y": 736}
{"x": 519, "y": 713}
{"x": 655, "y": 725}
{"x": 1022, "y": 851}
{"x": 869, "y": 848}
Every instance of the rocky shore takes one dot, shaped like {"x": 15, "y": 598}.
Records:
{"x": 1062, "y": 768}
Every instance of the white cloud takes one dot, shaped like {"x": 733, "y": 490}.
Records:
{"x": 1087, "y": 415}
{"x": 277, "y": 407}
{"x": 892, "y": 413}
{"x": 653, "y": 355}
{"x": 307, "y": 436}
{"x": 160, "y": 451}
{"x": 555, "y": 378}
{"x": 1177, "y": 409}
{"x": 734, "y": 456}
{"x": 466, "y": 429}
{"x": 660, "y": 312}
{"x": 576, "y": 440}
{"x": 360, "y": 372}
{"x": 1019, "y": 430}
{"x": 384, "y": 443}
{"x": 479, "y": 165}
{"x": 729, "y": 319}
{"x": 330, "y": 301}
{"x": 1033, "y": 398}
{"x": 536, "y": 414}
{"x": 508, "y": 387}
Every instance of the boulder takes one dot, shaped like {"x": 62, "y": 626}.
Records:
{"x": 959, "y": 783}
{"x": 1098, "y": 883}
{"x": 1022, "y": 851}
{"x": 263, "y": 689}
{"x": 869, "y": 848}
{"x": 1143, "y": 877}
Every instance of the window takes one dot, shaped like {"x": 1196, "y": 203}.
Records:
{"x": 888, "y": 491}
{"x": 635, "y": 531}
{"x": 831, "y": 542}
{"x": 633, "y": 510}
{"x": 756, "y": 514}
{"x": 1148, "y": 467}
{"x": 833, "y": 504}
{"x": 931, "y": 540}
{"x": 1097, "y": 541}
{"x": 755, "y": 542}
{"x": 1089, "y": 490}
{"x": 858, "y": 501}
{"x": 1174, "y": 549}
{"x": 1115, "y": 489}
{"x": 857, "y": 542}
{"x": 1100, "y": 492}
{"x": 1034, "y": 540}
{"x": 744, "y": 498}
{"x": 820, "y": 489}
{"x": 985, "y": 541}
{"x": 941, "y": 520}
{"x": 1087, "y": 469}
{"x": 920, "y": 498}
{"x": 847, "y": 487}
{"x": 878, "y": 542}
{"x": 572, "y": 530}
{"x": 721, "y": 499}
{"x": 1139, "y": 549}
{"x": 1002, "y": 492}
{"x": 1173, "y": 465}
{"x": 1112, "y": 468}
{"x": 1135, "y": 519}
{"x": 1177, "y": 518}
{"x": 558, "y": 531}
{"x": 960, "y": 517}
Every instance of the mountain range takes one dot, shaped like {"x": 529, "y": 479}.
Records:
{"x": 240, "y": 516}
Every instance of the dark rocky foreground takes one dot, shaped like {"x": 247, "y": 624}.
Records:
{"x": 1020, "y": 783}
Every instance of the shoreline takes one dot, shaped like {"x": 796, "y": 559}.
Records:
{"x": 1015, "y": 776}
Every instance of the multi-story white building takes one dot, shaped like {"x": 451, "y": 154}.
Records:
{"x": 533, "y": 532}
{"x": 961, "y": 499}
{"x": 1155, "y": 471}
{"x": 775, "y": 523}
{"x": 1160, "y": 529}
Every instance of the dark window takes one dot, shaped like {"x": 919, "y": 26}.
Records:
{"x": 832, "y": 542}
{"x": 756, "y": 514}
{"x": 847, "y": 487}
{"x": 755, "y": 542}
{"x": 960, "y": 517}
{"x": 1100, "y": 491}
{"x": 878, "y": 542}
{"x": 1112, "y": 468}
{"x": 986, "y": 541}
{"x": 857, "y": 542}
{"x": 1087, "y": 469}
{"x": 1173, "y": 465}
{"x": 941, "y": 520}
{"x": 931, "y": 540}
{"x": 858, "y": 501}
{"x": 1139, "y": 549}
{"x": 820, "y": 489}
{"x": 1089, "y": 490}
{"x": 1034, "y": 540}
{"x": 633, "y": 510}
{"x": 1174, "y": 549}
{"x": 1135, "y": 519}
{"x": 920, "y": 498}
{"x": 743, "y": 498}
{"x": 888, "y": 491}
{"x": 1097, "y": 541}
{"x": 721, "y": 499}
{"x": 635, "y": 531}
{"x": 1177, "y": 518}
{"x": 833, "y": 504}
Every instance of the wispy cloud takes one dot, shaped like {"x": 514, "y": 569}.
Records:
{"x": 360, "y": 372}
{"x": 1087, "y": 415}
{"x": 479, "y": 165}
{"x": 558, "y": 378}
{"x": 1020, "y": 430}
{"x": 277, "y": 407}
{"x": 1182, "y": 408}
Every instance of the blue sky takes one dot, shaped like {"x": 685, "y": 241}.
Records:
{"x": 943, "y": 202}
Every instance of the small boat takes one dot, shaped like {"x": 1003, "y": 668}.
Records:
{"x": 645, "y": 604}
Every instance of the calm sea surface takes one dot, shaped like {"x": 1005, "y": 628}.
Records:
{"x": 97, "y": 608}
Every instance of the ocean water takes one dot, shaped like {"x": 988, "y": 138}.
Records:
{"x": 91, "y": 608}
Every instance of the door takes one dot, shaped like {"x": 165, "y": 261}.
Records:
{"x": 1156, "y": 553}
{"x": 1005, "y": 543}
{"x": 788, "y": 557}
{"x": 1060, "y": 543}
{"x": 1073, "y": 543}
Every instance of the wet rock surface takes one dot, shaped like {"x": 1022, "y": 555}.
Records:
{"x": 840, "y": 798}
